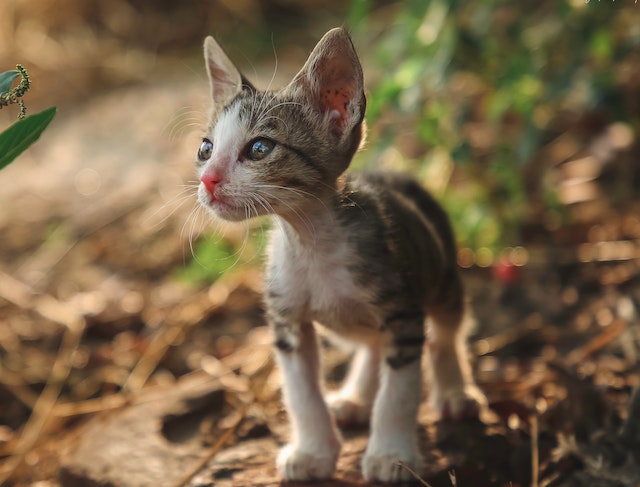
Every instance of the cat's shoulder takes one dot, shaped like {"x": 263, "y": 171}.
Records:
{"x": 383, "y": 193}
{"x": 367, "y": 198}
{"x": 376, "y": 186}
{"x": 381, "y": 180}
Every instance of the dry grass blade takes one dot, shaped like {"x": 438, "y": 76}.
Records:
{"x": 90, "y": 406}
{"x": 414, "y": 473}
{"x": 258, "y": 382}
{"x": 608, "y": 335}
{"x": 217, "y": 446}
{"x": 15, "y": 292}
{"x": 74, "y": 324}
{"x": 535, "y": 460}
{"x": 152, "y": 357}
{"x": 188, "y": 314}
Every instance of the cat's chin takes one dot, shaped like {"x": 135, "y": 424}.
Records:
{"x": 227, "y": 212}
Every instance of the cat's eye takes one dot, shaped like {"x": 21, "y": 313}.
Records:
{"x": 259, "y": 149}
{"x": 205, "y": 150}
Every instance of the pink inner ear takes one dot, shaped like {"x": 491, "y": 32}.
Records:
{"x": 335, "y": 100}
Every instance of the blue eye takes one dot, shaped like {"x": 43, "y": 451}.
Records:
{"x": 259, "y": 149}
{"x": 205, "y": 150}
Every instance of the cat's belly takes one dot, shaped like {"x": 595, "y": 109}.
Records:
{"x": 349, "y": 319}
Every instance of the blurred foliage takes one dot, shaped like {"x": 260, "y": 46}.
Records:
{"x": 211, "y": 259}
{"x": 464, "y": 94}
{"x": 213, "y": 256}
{"x": 22, "y": 134}
{"x": 480, "y": 86}
{"x": 82, "y": 47}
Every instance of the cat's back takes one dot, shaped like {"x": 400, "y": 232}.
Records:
{"x": 399, "y": 197}
{"x": 398, "y": 225}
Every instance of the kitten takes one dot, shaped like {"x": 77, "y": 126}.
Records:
{"x": 368, "y": 256}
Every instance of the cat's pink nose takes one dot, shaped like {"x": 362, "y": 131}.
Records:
{"x": 210, "y": 181}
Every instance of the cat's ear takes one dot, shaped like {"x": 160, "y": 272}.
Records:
{"x": 224, "y": 78}
{"x": 332, "y": 80}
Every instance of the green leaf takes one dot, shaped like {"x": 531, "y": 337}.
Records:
{"x": 22, "y": 134}
{"x": 6, "y": 79}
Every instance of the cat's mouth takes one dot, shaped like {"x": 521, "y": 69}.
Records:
{"x": 223, "y": 206}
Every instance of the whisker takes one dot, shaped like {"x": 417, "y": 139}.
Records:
{"x": 273, "y": 77}
{"x": 275, "y": 67}
{"x": 182, "y": 119}
{"x": 193, "y": 233}
{"x": 176, "y": 202}
{"x": 264, "y": 114}
{"x": 298, "y": 191}
{"x": 281, "y": 104}
{"x": 301, "y": 217}
{"x": 259, "y": 113}
{"x": 188, "y": 222}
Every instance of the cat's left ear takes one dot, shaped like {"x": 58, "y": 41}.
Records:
{"x": 224, "y": 78}
{"x": 332, "y": 80}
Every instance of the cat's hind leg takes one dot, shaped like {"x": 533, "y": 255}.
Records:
{"x": 315, "y": 443}
{"x": 352, "y": 403}
{"x": 453, "y": 391}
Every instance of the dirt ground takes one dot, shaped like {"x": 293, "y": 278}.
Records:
{"x": 116, "y": 372}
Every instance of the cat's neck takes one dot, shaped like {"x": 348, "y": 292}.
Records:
{"x": 309, "y": 227}
{"x": 314, "y": 223}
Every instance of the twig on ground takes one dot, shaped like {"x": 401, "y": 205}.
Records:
{"x": 608, "y": 335}
{"x": 258, "y": 382}
{"x": 188, "y": 314}
{"x": 74, "y": 323}
{"x": 535, "y": 460}
{"x": 414, "y": 473}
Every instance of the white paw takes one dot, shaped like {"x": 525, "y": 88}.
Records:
{"x": 296, "y": 464}
{"x": 349, "y": 412}
{"x": 458, "y": 403}
{"x": 391, "y": 463}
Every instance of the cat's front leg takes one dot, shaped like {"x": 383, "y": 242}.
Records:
{"x": 315, "y": 444}
{"x": 393, "y": 444}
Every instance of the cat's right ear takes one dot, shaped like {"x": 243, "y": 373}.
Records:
{"x": 331, "y": 80}
{"x": 224, "y": 78}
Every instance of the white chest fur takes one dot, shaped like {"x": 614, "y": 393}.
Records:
{"x": 315, "y": 281}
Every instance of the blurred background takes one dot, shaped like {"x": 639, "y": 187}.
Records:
{"x": 521, "y": 117}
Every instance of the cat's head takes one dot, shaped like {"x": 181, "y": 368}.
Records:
{"x": 273, "y": 152}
